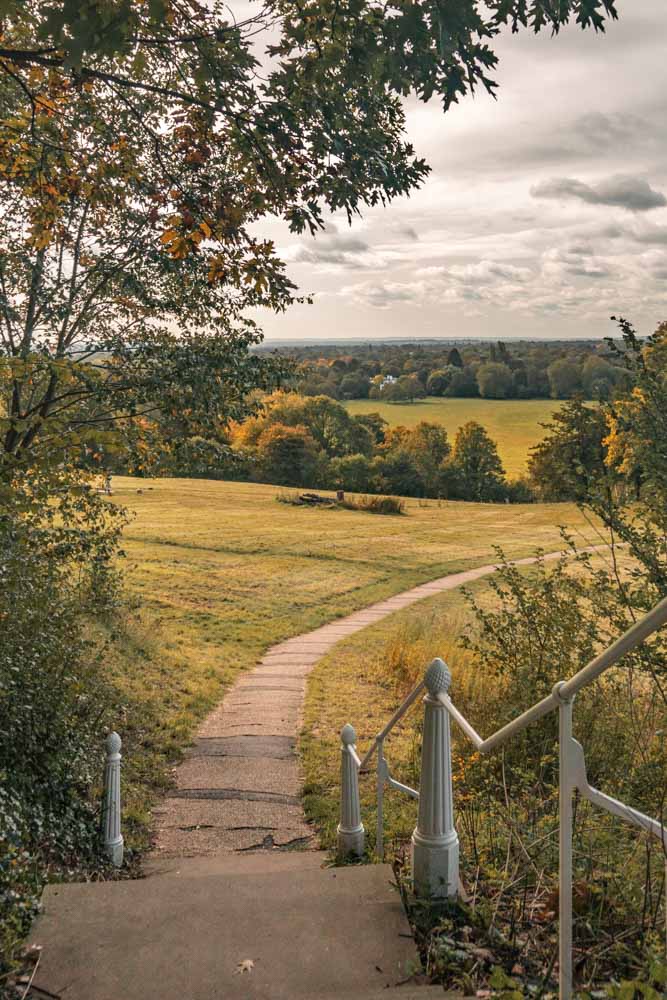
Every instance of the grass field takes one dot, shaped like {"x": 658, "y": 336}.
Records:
{"x": 220, "y": 571}
{"x": 514, "y": 424}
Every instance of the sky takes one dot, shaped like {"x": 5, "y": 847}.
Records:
{"x": 544, "y": 215}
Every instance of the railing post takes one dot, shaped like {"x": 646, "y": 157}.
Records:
{"x": 566, "y": 786}
{"x": 351, "y": 832}
{"x": 435, "y": 844}
{"x": 379, "y": 788}
{"x": 112, "y": 838}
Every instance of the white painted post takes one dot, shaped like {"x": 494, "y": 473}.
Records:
{"x": 351, "y": 832}
{"x": 112, "y": 838}
{"x": 566, "y": 786}
{"x": 435, "y": 844}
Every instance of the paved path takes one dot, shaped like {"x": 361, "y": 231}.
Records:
{"x": 239, "y": 788}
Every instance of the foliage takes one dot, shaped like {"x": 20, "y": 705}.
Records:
{"x": 491, "y": 371}
{"x": 476, "y": 469}
{"x": 428, "y": 446}
{"x": 287, "y": 455}
{"x": 571, "y": 460}
{"x": 375, "y": 505}
{"x": 494, "y": 380}
{"x": 56, "y": 542}
{"x": 106, "y": 317}
{"x": 143, "y": 43}
{"x": 327, "y": 446}
{"x": 351, "y": 472}
{"x": 564, "y": 379}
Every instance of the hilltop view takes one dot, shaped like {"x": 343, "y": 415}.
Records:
{"x": 333, "y": 500}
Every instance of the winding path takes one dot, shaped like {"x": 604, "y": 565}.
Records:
{"x": 239, "y": 787}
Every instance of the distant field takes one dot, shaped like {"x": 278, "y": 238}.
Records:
{"x": 514, "y": 424}
{"x": 221, "y": 571}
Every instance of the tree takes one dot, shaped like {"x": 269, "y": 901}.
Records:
{"x": 141, "y": 146}
{"x": 395, "y": 471}
{"x": 438, "y": 381}
{"x": 374, "y": 423}
{"x": 599, "y": 377}
{"x": 637, "y": 422}
{"x": 476, "y": 468}
{"x": 332, "y": 428}
{"x": 109, "y": 310}
{"x": 454, "y": 358}
{"x": 564, "y": 379}
{"x": 571, "y": 460}
{"x": 430, "y": 449}
{"x": 351, "y": 472}
{"x": 463, "y": 383}
{"x": 287, "y": 456}
{"x": 354, "y": 386}
{"x": 410, "y": 387}
{"x": 494, "y": 380}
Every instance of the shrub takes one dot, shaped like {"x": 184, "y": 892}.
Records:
{"x": 54, "y": 700}
{"x": 376, "y": 505}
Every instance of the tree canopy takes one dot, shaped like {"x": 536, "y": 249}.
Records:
{"x": 141, "y": 145}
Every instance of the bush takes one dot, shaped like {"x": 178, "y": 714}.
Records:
{"x": 54, "y": 700}
{"x": 376, "y": 505}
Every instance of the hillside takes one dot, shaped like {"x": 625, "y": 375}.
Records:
{"x": 223, "y": 571}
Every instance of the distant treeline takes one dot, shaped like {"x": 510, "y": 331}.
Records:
{"x": 400, "y": 372}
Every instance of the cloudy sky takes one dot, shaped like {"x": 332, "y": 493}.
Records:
{"x": 545, "y": 213}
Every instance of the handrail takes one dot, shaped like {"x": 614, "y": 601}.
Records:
{"x": 638, "y": 632}
{"x": 565, "y": 690}
{"x": 396, "y": 717}
{"x": 434, "y": 841}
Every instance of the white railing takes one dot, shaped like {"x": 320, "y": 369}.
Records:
{"x": 434, "y": 841}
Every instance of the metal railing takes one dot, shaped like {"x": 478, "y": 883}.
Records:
{"x": 434, "y": 841}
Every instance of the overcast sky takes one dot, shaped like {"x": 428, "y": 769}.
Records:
{"x": 545, "y": 213}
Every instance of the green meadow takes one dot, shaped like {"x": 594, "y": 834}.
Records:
{"x": 514, "y": 424}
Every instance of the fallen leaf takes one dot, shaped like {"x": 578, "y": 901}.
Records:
{"x": 247, "y": 965}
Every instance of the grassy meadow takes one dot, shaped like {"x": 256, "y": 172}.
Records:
{"x": 219, "y": 571}
{"x": 514, "y": 424}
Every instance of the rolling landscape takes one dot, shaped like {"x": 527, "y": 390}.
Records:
{"x": 333, "y": 500}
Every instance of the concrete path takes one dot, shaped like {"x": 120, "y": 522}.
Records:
{"x": 239, "y": 788}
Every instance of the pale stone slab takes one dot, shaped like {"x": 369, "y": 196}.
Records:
{"x": 340, "y": 932}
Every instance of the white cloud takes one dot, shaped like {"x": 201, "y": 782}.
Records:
{"x": 473, "y": 253}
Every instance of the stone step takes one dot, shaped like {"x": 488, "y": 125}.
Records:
{"x": 246, "y": 864}
{"x": 406, "y": 991}
{"x": 284, "y": 934}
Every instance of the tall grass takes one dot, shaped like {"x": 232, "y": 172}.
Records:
{"x": 506, "y": 804}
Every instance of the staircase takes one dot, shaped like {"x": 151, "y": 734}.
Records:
{"x": 269, "y": 925}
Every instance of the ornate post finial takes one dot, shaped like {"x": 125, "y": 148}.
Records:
{"x": 437, "y": 678}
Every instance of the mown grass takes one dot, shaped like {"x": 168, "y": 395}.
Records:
{"x": 514, "y": 424}
{"x": 216, "y": 572}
